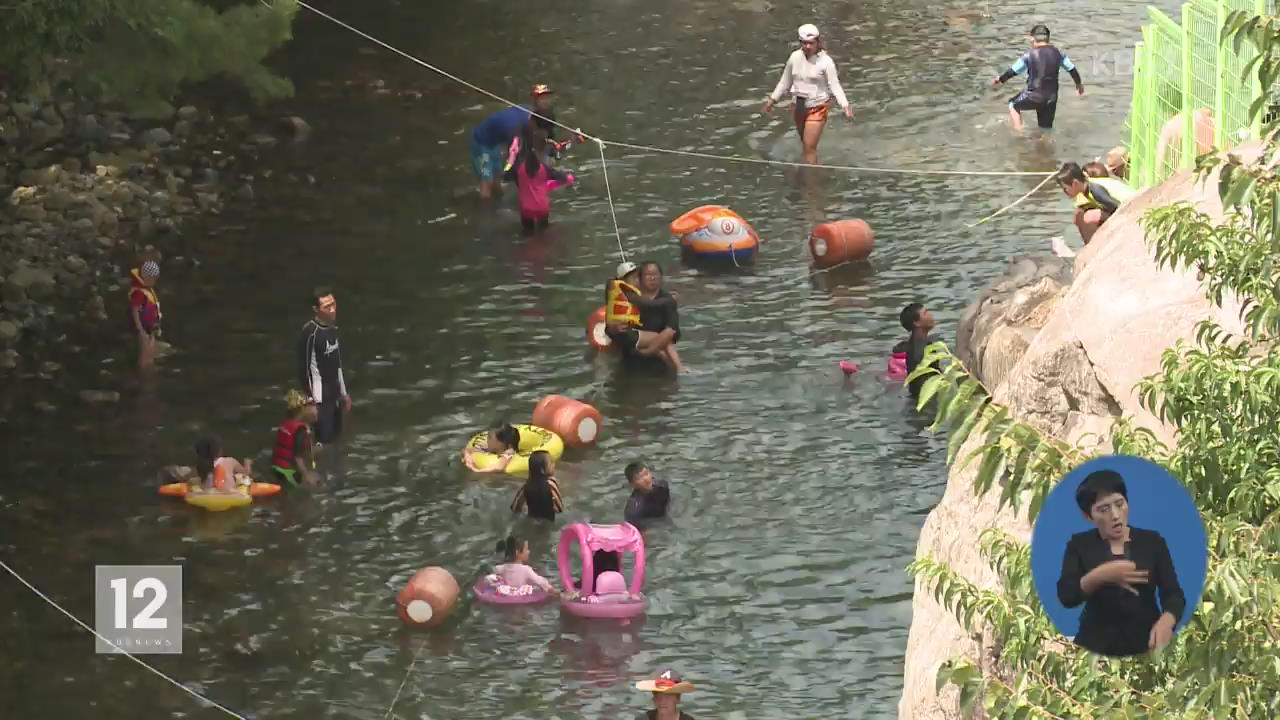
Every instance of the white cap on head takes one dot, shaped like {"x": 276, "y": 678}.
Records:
{"x": 808, "y": 32}
{"x": 625, "y": 269}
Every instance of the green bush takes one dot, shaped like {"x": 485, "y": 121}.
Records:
{"x": 1221, "y": 394}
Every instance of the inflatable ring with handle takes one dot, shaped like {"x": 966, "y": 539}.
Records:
{"x": 532, "y": 439}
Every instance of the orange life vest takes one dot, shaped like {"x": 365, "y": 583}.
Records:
{"x": 619, "y": 309}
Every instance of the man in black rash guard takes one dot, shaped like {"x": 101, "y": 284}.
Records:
{"x": 650, "y": 497}
{"x": 918, "y": 321}
{"x": 1042, "y": 64}
{"x": 320, "y": 366}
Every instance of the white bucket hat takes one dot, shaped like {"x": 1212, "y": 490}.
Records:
{"x": 808, "y": 32}
{"x": 625, "y": 269}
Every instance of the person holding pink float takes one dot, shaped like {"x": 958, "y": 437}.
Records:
{"x": 532, "y": 176}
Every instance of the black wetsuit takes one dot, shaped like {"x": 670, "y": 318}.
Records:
{"x": 659, "y": 317}
{"x": 1098, "y": 194}
{"x": 914, "y": 347}
{"x": 1042, "y": 64}
{"x": 642, "y": 506}
{"x": 1115, "y": 621}
{"x": 320, "y": 376}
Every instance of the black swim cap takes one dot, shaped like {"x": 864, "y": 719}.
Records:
{"x": 1040, "y": 32}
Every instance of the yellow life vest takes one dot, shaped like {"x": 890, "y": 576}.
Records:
{"x": 1117, "y": 187}
{"x": 618, "y": 309}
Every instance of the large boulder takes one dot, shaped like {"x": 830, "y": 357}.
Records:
{"x": 1088, "y": 344}
{"x": 29, "y": 282}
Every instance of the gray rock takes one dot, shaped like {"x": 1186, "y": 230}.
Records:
{"x": 121, "y": 195}
{"x": 85, "y": 228}
{"x": 104, "y": 219}
{"x": 43, "y": 133}
{"x": 23, "y": 111}
{"x": 99, "y": 397}
{"x": 295, "y": 127}
{"x": 106, "y": 243}
{"x": 30, "y": 212}
{"x": 72, "y": 165}
{"x": 75, "y": 264}
{"x": 88, "y": 128}
{"x": 40, "y": 177}
{"x": 262, "y": 140}
{"x": 207, "y": 201}
{"x": 182, "y": 128}
{"x": 118, "y": 139}
{"x": 8, "y": 332}
{"x": 245, "y": 192}
{"x": 188, "y": 113}
{"x": 9, "y": 359}
{"x": 155, "y": 137}
{"x": 34, "y": 283}
{"x": 49, "y": 113}
{"x": 58, "y": 199}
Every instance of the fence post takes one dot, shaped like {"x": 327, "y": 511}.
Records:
{"x": 1220, "y": 132}
{"x": 1137, "y": 120}
{"x": 1188, "y": 157}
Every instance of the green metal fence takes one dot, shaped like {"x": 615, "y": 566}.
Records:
{"x": 1180, "y": 69}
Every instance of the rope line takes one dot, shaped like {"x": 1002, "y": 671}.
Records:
{"x": 405, "y": 680}
{"x": 604, "y": 167}
{"x": 649, "y": 148}
{"x": 1010, "y": 206}
{"x": 119, "y": 649}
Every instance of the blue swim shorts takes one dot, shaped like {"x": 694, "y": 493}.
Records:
{"x": 488, "y": 161}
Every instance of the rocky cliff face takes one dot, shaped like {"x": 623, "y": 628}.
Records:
{"x": 1064, "y": 354}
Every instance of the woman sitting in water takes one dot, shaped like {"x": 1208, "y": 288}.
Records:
{"x": 214, "y": 471}
{"x": 540, "y": 495}
{"x": 503, "y": 441}
{"x": 663, "y": 315}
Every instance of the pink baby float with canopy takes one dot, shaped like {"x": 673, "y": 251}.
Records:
{"x": 608, "y": 595}
{"x": 494, "y": 590}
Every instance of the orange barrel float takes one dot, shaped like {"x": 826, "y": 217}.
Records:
{"x": 428, "y": 598}
{"x": 595, "y": 330}
{"x": 713, "y": 232}
{"x": 842, "y": 241}
{"x": 577, "y": 422}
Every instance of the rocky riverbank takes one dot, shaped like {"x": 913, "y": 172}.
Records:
{"x": 88, "y": 188}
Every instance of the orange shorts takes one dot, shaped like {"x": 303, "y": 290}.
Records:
{"x": 816, "y": 113}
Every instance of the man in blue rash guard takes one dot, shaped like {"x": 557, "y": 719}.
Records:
{"x": 1041, "y": 63}
{"x": 492, "y": 137}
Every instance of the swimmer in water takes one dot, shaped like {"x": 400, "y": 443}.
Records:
{"x": 1042, "y": 64}
{"x": 516, "y": 571}
{"x": 918, "y": 321}
{"x": 540, "y": 494}
{"x": 810, "y": 76}
{"x": 214, "y": 471}
{"x": 503, "y": 440}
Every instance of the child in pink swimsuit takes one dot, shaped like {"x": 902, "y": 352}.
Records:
{"x": 532, "y": 177}
{"x": 515, "y": 572}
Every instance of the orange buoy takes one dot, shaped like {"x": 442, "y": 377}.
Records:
{"x": 842, "y": 241}
{"x": 595, "y": 330}
{"x": 428, "y": 598}
{"x": 576, "y": 422}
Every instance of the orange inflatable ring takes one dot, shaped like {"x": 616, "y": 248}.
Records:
{"x": 839, "y": 242}
{"x": 714, "y": 232}
{"x": 428, "y": 598}
{"x": 596, "y": 335}
{"x": 576, "y": 422}
{"x": 180, "y": 489}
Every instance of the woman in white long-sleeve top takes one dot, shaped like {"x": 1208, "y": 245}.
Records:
{"x": 810, "y": 76}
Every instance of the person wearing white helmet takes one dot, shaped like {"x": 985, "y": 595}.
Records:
{"x": 623, "y": 303}
{"x": 810, "y": 76}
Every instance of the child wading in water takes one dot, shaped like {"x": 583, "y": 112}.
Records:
{"x": 291, "y": 458}
{"x": 216, "y": 472}
{"x": 516, "y": 571}
{"x": 531, "y": 176}
{"x": 144, "y": 310}
{"x": 503, "y": 440}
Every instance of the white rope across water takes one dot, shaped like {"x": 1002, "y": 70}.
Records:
{"x": 119, "y": 649}
{"x": 604, "y": 166}
{"x": 405, "y": 680}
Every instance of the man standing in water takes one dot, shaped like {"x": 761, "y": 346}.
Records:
{"x": 492, "y": 138}
{"x": 1042, "y": 64}
{"x": 320, "y": 366}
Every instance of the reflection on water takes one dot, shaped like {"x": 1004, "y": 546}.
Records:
{"x": 779, "y": 585}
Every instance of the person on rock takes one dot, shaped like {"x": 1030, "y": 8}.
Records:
{"x": 1115, "y": 570}
{"x": 1097, "y": 198}
{"x": 320, "y": 367}
{"x": 144, "y": 310}
{"x": 918, "y": 321}
{"x": 292, "y": 460}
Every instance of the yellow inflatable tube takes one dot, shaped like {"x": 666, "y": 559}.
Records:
{"x": 217, "y": 501}
{"x": 532, "y": 439}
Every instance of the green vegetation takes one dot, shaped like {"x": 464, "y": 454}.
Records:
{"x": 1220, "y": 395}
{"x": 140, "y": 52}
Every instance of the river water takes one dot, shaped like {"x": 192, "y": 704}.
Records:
{"x": 779, "y": 588}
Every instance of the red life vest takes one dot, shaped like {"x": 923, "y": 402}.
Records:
{"x": 282, "y": 456}
{"x": 149, "y": 309}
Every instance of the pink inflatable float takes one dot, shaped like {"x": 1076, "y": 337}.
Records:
{"x": 491, "y": 589}
{"x": 897, "y": 369}
{"x": 604, "y": 594}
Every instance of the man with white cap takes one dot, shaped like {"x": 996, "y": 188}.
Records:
{"x": 667, "y": 689}
{"x": 810, "y": 77}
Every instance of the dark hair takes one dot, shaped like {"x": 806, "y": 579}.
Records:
{"x": 506, "y": 434}
{"x": 320, "y": 291}
{"x": 511, "y": 546}
{"x": 910, "y": 315}
{"x": 1040, "y": 32}
{"x": 1099, "y": 484}
{"x": 1096, "y": 169}
{"x": 539, "y": 483}
{"x": 650, "y": 263}
{"x": 208, "y": 449}
{"x": 528, "y": 154}
{"x": 1070, "y": 172}
{"x": 633, "y": 469}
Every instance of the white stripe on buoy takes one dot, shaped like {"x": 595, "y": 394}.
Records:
{"x": 587, "y": 430}
{"x": 819, "y": 247}
{"x": 602, "y": 338}
{"x": 419, "y": 611}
